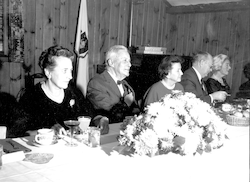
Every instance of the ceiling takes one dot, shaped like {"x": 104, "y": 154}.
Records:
{"x": 195, "y": 2}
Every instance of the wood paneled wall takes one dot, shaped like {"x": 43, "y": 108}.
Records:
{"x": 49, "y": 22}
{"x": 226, "y": 32}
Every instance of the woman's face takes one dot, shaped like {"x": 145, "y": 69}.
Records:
{"x": 225, "y": 67}
{"x": 62, "y": 72}
{"x": 175, "y": 73}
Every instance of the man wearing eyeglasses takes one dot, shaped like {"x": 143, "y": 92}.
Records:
{"x": 192, "y": 79}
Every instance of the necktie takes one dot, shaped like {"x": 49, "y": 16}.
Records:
{"x": 119, "y": 82}
{"x": 203, "y": 86}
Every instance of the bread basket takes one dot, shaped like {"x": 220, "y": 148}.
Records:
{"x": 237, "y": 121}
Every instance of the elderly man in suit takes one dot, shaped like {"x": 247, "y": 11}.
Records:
{"x": 192, "y": 79}
{"x": 109, "y": 93}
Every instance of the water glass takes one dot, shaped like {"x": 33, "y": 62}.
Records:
{"x": 94, "y": 137}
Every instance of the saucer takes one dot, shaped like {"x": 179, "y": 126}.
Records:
{"x": 41, "y": 145}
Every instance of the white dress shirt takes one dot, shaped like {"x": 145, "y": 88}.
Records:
{"x": 199, "y": 77}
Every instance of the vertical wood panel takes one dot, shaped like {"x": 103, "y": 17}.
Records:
{"x": 29, "y": 33}
{"x": 96, "y": 33}
{"x": 199, "y": 32}
{"x": 63, "y": 22}
{"x": 56, "y": 21}
{"x": 4, "y": 76}
{"x": 231, "y": 44}
{"x": 38, "y": 33}
{"x": 144, "y": 23}
{"x": 105, "y": 25}
{"x": 48, "y": 24}
{"x": 138, "y": 19}
{"x": 152, "y": 27}
{"x": 91, "y": 27}
{"x": 114, "y": 17}
{"x": 123, "y": 22}
{"x": 241, "y": 34}
{"x": 205, "y": 42}
{"x": 186, "y": 34}
{"x": 72, "y": 23}
{"x": 246, "y": 58}
{"x": 223, "y": 33}
{"x": 156, "y": 23}
{"x": 160, "y": 24}
{"x": 180, "y": 35}
{"x": 192, "y": 32}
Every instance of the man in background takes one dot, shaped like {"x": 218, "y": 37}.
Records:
{"x": 192, "y": 79}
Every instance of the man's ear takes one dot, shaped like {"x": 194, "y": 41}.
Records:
{"x": 202, "y": 63}
{"x": 110, "y": 63}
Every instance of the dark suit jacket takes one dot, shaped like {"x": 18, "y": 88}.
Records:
{"x": 104, "y": 94}
{"x": 191, "y": 83}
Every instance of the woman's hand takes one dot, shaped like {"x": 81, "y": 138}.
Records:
{"x": 59, "y": 130}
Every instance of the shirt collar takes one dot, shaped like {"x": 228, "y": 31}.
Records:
{"x": 113, "y": 76}
{"x": 197, "y": 73}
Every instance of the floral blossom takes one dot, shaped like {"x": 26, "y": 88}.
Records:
{"x": 72, "y": 102}
{"x": 175, "y": 115}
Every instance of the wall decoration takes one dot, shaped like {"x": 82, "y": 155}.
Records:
{"x": 16, "y": 31}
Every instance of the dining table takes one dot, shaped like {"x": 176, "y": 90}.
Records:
{"x": 230, "y": 163}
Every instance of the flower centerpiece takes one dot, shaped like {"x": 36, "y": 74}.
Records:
{"x": 179, "y": 122}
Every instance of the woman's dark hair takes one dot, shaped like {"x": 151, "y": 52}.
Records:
{"x": 166, "y": 65}
{"x": 246, "y": 70}
{"x": 47, "y": 57}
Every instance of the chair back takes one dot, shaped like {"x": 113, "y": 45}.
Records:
{"x": 3, "y": 130}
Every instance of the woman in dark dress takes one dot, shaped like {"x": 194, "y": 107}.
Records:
{"x": 54, "y": 100}
{"x": 244, "y": 89}
{"x": 221, "y": 68}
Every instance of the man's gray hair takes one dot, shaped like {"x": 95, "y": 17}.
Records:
{"x": 113, "y": 52}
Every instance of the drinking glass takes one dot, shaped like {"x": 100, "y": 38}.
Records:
{"x": 72, "y": 125}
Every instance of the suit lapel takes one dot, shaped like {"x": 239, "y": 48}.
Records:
{"x": 198, "y": 81}
{"x": 111, "y": 83}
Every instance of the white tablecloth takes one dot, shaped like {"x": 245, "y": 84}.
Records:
{"x": 230, "y": 163}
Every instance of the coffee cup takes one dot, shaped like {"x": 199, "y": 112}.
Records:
{"x": 84, "y": 122}
{"x": 45, "y": 136}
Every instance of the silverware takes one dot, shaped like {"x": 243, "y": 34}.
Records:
{"x": 12, "y": 144}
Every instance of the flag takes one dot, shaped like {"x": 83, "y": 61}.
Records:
{"x": 81, "y": 48}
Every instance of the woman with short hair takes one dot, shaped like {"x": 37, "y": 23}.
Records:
{"x": 217, "y": 82}
{"x": 170, "y": 74}
{"x": 49, "y": 103}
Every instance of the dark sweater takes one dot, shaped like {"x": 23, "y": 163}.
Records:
{"x": 44, "y": 113}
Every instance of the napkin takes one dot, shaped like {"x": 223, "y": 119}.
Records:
{"x": 10, "y": 146}
{"x": 13, "y": 157}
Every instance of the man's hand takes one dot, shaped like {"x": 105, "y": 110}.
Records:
{"x": 219, "y": 95}
{"x": 59, "y": 129}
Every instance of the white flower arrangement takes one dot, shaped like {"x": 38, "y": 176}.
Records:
{"x": 72, "y": 102}
{"x": 177, "y": 115}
